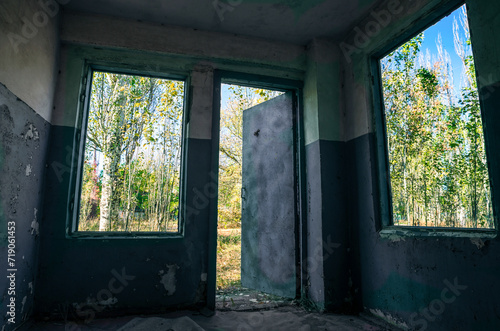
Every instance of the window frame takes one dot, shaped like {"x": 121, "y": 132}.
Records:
{"x": 383, "y": 193}
{"x": 76, "y": 177}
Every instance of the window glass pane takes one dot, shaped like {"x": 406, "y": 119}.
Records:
{"x": 132, "y": 154}
{"x": 437, "y": 159}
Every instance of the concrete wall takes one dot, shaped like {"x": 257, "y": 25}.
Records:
{"x": 224, "y": 51}
{"x": 28, "y": 49}
{"x": 85, "y": 278}
{"x": 419, "y": 282}
{"x": 327, "y": 246}
{"x": 28, "y": 42}
{"x": 158, "y": 273}
{"x": 349, "y": 263}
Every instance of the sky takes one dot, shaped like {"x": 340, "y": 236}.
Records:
{"x": 224, "y": 95}
{"x": 445, "y": 28}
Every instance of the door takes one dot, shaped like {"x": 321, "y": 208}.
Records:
{"x": 268, "y": 242}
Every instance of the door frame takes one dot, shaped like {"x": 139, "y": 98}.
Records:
{"x": 260, "y": 81}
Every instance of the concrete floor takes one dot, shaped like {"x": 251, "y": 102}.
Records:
{"x": 282, "y": 318}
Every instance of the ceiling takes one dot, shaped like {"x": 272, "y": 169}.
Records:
{"x": 294, "y": 21}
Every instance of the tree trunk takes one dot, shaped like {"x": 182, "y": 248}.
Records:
{"x": 109, "y": 199}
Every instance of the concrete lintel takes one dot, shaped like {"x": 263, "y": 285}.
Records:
{"x": 113, "y": 32}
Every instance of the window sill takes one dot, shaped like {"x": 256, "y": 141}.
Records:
{"x": 124, "y": 235}
{"x": 401, "y": 232}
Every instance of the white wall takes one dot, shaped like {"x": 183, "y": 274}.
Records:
{"x": 28, "y": 51}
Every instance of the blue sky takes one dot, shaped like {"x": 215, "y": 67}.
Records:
{"x": 224, "y": 95}
{"x": 445, "y": 28}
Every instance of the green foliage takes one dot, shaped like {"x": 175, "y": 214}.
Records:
{"x": 437, "y": 161}
{"x": 240, "y": 98}
{"x": 429, "y": 82}
{"x": 89, "y": 203}
{"x": 134, "y": 137}
{"x": 230, "y": 239}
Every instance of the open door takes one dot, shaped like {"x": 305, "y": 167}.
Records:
{"x": 268, "y": 217}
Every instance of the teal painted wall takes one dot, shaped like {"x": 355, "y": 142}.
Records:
{"x": 27, "y": 82}
{"x": 414, "y": 281}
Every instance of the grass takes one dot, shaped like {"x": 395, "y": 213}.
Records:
{"x": 228, "y": 259}
{"x": 135, "y": 225}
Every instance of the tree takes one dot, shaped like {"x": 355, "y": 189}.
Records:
{"x": 230, "y": 148}
{"x": 133, "y": 119}
{"x": 437, "y": 161}
{"x": 119, "y": 105}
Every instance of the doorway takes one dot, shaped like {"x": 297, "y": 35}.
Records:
{"x": 257, "y": 233}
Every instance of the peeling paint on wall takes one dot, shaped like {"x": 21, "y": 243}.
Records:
{"x": 478, "y": 242}
{"x": 108, "y": 301}
{"x": 35, "y": 225}
{"x": 395, "y": 237}
{"x": 23, "y": 303}
{"x": 387, "y": 317}
{"x": 32, "y": 133}
{"x": 28, "y": 170}
{"x": 22, "y": 158}
{"x": 168, "y": 279}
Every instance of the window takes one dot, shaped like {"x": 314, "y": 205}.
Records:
{"x": 433, "y": 130}
{"x": 132, "y": 154}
